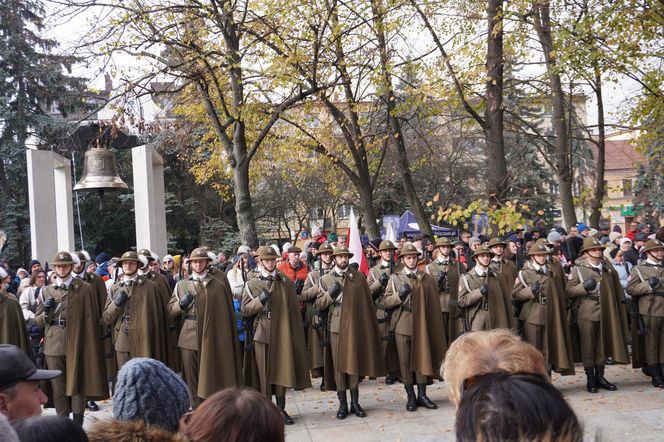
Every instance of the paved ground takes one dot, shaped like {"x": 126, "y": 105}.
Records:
{"x": 634, "y": 412}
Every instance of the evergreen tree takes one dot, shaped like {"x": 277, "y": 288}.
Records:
{"x": 35, "y": 88}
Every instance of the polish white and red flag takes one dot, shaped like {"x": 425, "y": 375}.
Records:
{"x": 355, "y": 244}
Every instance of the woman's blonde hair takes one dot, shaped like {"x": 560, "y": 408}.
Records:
{"x": 477, "y": 353}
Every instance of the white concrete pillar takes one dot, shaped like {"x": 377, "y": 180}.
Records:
{"x": 149, "y": 200}
{"x": 50, "y": 201}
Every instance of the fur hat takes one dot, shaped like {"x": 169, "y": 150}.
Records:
{"x": 147, "y": 390}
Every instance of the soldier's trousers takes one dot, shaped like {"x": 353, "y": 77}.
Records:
{"x": 122, "y": 357}
{"x": 344, "y": 381}
{"x": 408, "y": 376}
{"x": 261, "y": 351}
{"x": 654, "y": 340}
{"x": 592, "y": 353}
{"x": 446, "y": 326}
{"x": 190, "y": 374}
{"x": 535, "y": 335}
{"x": 63, "y": 403}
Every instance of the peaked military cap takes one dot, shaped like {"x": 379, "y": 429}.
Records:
{"x": 443, "y": 241}
{"x": 199, "y": 253}
{"x": 409, "y": 249}
{"x": 386, "y": 245}
{"x": 539, "y": 248}
{"x": 496, "y": 242}
{"x": 267, "y": 252}
{"x": 591, "y": 243}
{"x": 62, "y": 258}
{"x": 342, "y": 251}
{"x": 325, "y": 248}
{"x": 653, "y": 244}
{"x": 147, "y": 253}
{"x": 481, "y": 250}
{"x": 129, "y": 256}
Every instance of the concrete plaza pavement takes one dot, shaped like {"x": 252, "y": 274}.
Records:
{"x": 634, "y": 412}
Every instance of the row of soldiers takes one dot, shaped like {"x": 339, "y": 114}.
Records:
{"x": 397, "y": 322}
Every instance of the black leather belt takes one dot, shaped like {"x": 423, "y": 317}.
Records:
{"x": 267, "y": 314}
{"x": 591, "y": 298}
{"x": 191, "y": 317}
{"x": 62, "y": 323}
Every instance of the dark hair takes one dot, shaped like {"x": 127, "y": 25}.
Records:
{"x": 519, "y": 406}
{"x": 35, "y": 275}
{"x": 49, "y": 429}
{"x": 660, "y": 234}
{"x": 234, "y": 415}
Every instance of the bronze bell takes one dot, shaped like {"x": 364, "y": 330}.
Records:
{"x": 100, "y": 171}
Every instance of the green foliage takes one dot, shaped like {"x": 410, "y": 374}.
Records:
{"x": 34, "y": 86}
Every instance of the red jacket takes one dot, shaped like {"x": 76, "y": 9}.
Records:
{"x": 293, "y": 274}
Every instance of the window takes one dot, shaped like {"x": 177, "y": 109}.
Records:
{"x": 343, "y": 212}
{"x": 317, "y": 213}
{"x": 627, "y": 188}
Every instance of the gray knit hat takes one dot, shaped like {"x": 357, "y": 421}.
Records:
{"x": 148, "y": 390}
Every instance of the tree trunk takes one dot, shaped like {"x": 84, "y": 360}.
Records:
{"x": 542, "y": 24}
{"x": 243, "y": 209}
{"x": 395, "y": 130}
{"x": 497, "y": 180}
{"x": 367, "y": 206}
{"x": 598, "y": 197}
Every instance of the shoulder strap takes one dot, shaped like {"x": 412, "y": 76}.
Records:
{"x": 523, "y": 282}
{"x": 465, "y": 282}
{"x": 638, "y": 272}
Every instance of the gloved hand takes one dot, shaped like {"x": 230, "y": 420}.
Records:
{"x": 299, "y": 285}
{"x": 442, "y": 281}
{"x": 186, "y": 301}
{"x": 653, "y": 282}
{"x": 120, "y": 298}
{"x": 404, "y": 291}
{"x": 383, "y": 279}
{"x": 264, "y": 297}
{"x": 536, "y": 287}
{"x": 484, "y": 290}
{"x": 49, "y": 304}
{"x": 590, "y": 284}
{"x": 335, "y": 290}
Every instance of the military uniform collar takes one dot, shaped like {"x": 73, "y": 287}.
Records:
{"x": 266, "y": 274}
{"x": 67, "y": 282}
{"x": 198, "y": 277}
{"x": 480, "y": 271}
{"x": 126, "y": 279}
{"x": 441, "y": 261}
{"x": 497, "y": 259}
{"x": 650, "y": 262}
{"x": 339, "y": 272}
{"x": 384, "y": 264}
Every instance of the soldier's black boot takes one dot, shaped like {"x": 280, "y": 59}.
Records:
{"x": 411, "y": 405}
{"x": 389, "y": 379}
{"x": 355, "y": 405}
{"x": 281, "y": 405}
{"x": 92, "y": 406}
{"x": 78, "y": 418}
{"x": 322, "y": 384}
{"x": 343, "y": 405}
{"x": 657, "y": 380}
{"x": 422, "y": 399}
{"x": 591, "y": 384}
{"x": 601, "y": 380}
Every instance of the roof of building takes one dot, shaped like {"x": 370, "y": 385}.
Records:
{"x": 620, "y": 155}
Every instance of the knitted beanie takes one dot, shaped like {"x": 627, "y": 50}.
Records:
{"x": 147, "y": 390}
{"x": 553, "y": 237}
